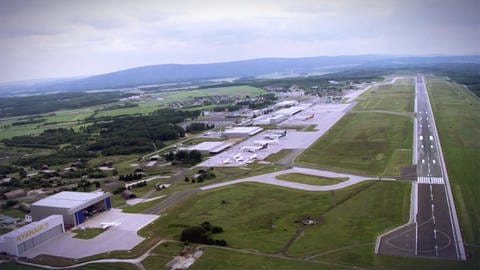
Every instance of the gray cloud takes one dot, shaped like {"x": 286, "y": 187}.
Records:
{"x": 54, "y": 38}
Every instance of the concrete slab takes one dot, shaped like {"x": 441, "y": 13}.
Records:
{"x": 325, "y": 116}
{"x": 121, "y": 237}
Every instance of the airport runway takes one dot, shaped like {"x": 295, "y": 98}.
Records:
{"x": 434, "y": 229}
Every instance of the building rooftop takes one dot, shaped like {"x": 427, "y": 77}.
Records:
{"x": 286, "y": 103}
{"x": 33, "y": 226}
{"x": 69, "y": 199}
{"x": 209, "y": 146}
{"x": 293, "y": 110}
{"x": 249, "y": 130}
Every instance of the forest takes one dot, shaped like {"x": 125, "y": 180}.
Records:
{"x": 15, "y": 106}
{"x": 119, "y": 135}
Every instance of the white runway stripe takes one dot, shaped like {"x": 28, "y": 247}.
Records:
{"x": 430, "y": 180}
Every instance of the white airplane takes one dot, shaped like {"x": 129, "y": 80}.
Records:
{"x": 254, "y": 156}
{"x": 272, "y": 136}
{"x": 266, "y": 142}
{"x": 251, "y": 149}
{"x": 106, "y": 225}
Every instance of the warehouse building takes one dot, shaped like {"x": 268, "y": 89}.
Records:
{"x": 285, "y": 104}
{"x": 75, "y": 207}
{"x": 29, "y": 236}
{"x": 270, "y": 119}
{"x": 210, "y": 147}
{"x": 241, "y": 132}
{"x": 292, "y": 110}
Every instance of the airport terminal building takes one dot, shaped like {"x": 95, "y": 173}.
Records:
{"x": 75, "y": 207}
{"x": 29, "y": 236}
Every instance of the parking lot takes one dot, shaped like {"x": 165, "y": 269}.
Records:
{"x": 322, "y": 116}
{"x": 122, "y": 235}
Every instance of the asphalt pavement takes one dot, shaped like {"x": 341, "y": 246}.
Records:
{"x": 432, "y": 232}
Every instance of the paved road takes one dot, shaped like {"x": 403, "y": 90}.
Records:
{"x": 433, "y": 232}
{"x": 270, "y": 178}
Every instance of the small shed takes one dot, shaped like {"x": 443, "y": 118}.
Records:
{"x": 14, "y": 194}
{"x": 127, "y": 195}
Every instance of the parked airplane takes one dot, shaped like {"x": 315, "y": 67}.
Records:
{"x": 309, "y": 117}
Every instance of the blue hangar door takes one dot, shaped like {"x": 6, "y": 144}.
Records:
{"x": 108, "y": 204}
{"x": 79, "y": 217}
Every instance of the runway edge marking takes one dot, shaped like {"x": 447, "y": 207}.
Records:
{"x": 460, "y": 248}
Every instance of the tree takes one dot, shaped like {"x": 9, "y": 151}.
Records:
{"x": 195, "y": 234}
{"x": 195, "y": 156}
{"x": 170, "y": 156}
{"x": 182, "y": 155}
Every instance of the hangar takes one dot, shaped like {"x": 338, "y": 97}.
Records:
{"x": 241, "y": 132}
{"x": 20, "y": 240}
{"x": 75, "y": 207}
{"x": 210, "y": 147}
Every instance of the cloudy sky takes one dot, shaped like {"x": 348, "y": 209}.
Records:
{"x": 41, "y": 39}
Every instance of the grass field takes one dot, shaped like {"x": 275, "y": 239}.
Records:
{"x": 388, "y": 97}
{"x": 310, "y": 179}
{"x": 88, "y": 233}
{"x": 142, "y": 108}
{"x": 161, "y": 255}
{"x": 362, "y": 143}
{"x": 272, "y": 218}
{"x": 70, "y": 118}
{"x": 457, "y": 115}
{"x": 215, "y": 258}
{"x": 239, "y": 91}
{"x": 279, "y": 155}
{"x": 358, "y": 221}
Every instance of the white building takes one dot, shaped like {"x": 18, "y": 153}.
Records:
{"x": 241, "y": 132}
{"x": 285, "y": 104}
{"x": 75, "y": 207}
{"x": 210, "y": 147}
{"x": 20, "y": 240}
{"x": 272, "y": 119}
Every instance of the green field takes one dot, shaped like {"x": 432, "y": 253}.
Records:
{"x": 279, "y": 155}
{"x": 362, "y": 143}
{"x": 457, "y": 115}
{"x": 215, "y": 258}
{"x": 161, "y": 255}
{"x": 388, "y": 97}
{"x": 142, "y": 108}
{"x": 238, "y": 91}
{"x": 310, "y": 179}
{"x": 71, "y": 118}
{"x": 358, "y": 221}
{"x": 271, "y": 220}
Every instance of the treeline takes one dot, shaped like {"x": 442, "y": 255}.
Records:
{"x": 131, "y": 177}
{"x": 29, "y": 121}
{"x": 467, "y": 74}
{"x": 107, "y": 136}
{"x": 15, "y": 106}
{"x": 259, "y": 102}
{"x": 197, "y": 127}
{"x": 183, "y": 156}
{"x": 61, "y": 156}
{"x": 49, "y": 138}
{"x": 138, "y": 134}
{"x": 203, "y": 234}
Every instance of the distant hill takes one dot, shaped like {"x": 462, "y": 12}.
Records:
{"x": 171, "y": 73}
